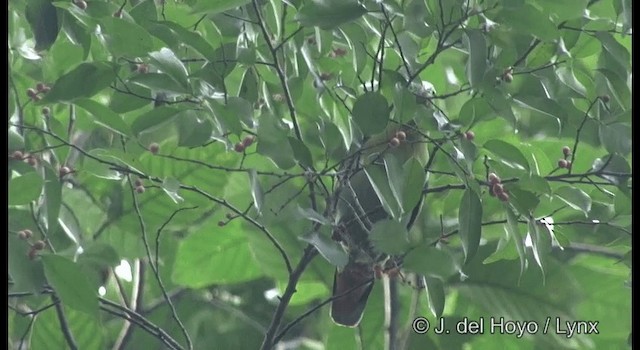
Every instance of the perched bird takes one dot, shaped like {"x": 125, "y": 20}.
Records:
{"x": 358, "y": 207}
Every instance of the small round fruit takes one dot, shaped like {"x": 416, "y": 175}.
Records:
{"x": 605, "y": 98}
{"x": 117, "y": 14}
{"x": 248, "y": 141}
{"x": 566, "y": 151}
{"x": 507, "y": 77}
{"x": 326, "y": 76}
{"x": 137, "y": 183}
{"x": 401, "y": 135}
{"x": 38, "y": 245}
{"x": 498, "y": 189}
{"x": 221, "y": 223}
{"x": 32, "y": 254}
{"x": 142, "y": 68}
{"x": 46, "y": 111}
{"x": 563, "y": 163}
{"x": 469, "y": 135}
{"x": 494, "y": 179}
{"x": 17, "y": 155}
{"x": 40, "y": 87}
{"x": 46, "y": 89}
{"x": 568, "y": 164}
{"x": 81, "y": 4}
{"x": 32, "y": 161}
{"x": 140, "y": 189}
{"x": 503, "y": 196}
{"x": 32, "y": 92}
{"x": 64, "y": 171}
{"x": 25, "y": 234}
{"x": 154, "y": 148}
{"x": 394, "y": 142}
{"x": 238, "y": 147}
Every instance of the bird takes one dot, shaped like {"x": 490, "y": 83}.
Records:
{"x": 357, "y": 208}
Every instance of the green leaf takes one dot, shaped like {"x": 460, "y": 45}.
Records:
{"x": 618, "y": 87}
{"x": 104, "y": 116}
{"x": 168, "y": 63}
{"x": 24, "y": 189}
{"x": 414, "y": 180}
{"x": 213, "y": 7}
{"x": 477, "y": 63}
{"x": 371, "y": 113}
{"x": 273, "y": 142}
{"x": 301, "y": 152}
{"x": 256, "y": 191}
{"x": 616, "y": 137}
{"x": 70, "y": 284}
{"x": 470, "y": 221}
{"x": 528, "y": 20}
{"x": 389, "y": 236}
{"x": 26, "y": 274}
{"x": 435, "y": 293}
{"x": 193, "y": 39}
{"x": 380, "y": 183}
{"x": 194, "y": 128}
{"x": 214, "y": 255}
{"x": 575, "y": 198}
{"x": 614, "y": 166}
{"x": 160, "y": 82}
{"x": 507, "y": 152}
{"x": 566, "y": 76}
{"x": 330, "y": 250}
{"x": 43, "y": 20}
{"x": 562, "y": 11}
{"x": 514, "y": 232}
{"x": 617, "y": 51}
{"x": 328, "y": 14}
{"x": 52, "y": 196}
{"x": 524, "y": 201}
{"x": 312, "y": 215}
{"x": 154, "y": 118}
{"x": 171, "y": 186}
{"x": 16, "y": 141}
{"x": 430, "y": 262}
{"x": 541, "y": 242}
{"x": 125, "y": 38}
{"x": 85, "y": 80}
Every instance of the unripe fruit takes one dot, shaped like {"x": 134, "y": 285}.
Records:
{"x": 32, "y": 161}
{"x": 239, "y": 147}
{"x": 117, "y": 14}
{"x": 566, "y": 151}
{"x": 503, "y": 197}
{"x": 568, "y": 164}
{"x": 64, "y": 171}
{"x": 229, "y": 216}
{"x": 32, "y": 254}
{"x": 248, "y": 141}
{"x": 394, "y": 142}
{"x": 46, "y": 89}
{"x": 401, "y": 135}
{"x": 563, "y": 163}
{"x": 507, "y": 77}
{"x": 140, "y": 189}
{"x": 221, "y": 223}
{"x": 494, "y": 179}
{"x": 38, "y": 245}
{"x": 40, "y": 87}
{"x": 338, "y": 52}
{"x": 32, "y": 92}
{"x": 605, "y": 98}
{"x": 25, "y": 234}
{"x": 46, "y": 111}
{"x": 154, "y": 148}
{"x": 278, "y": 97}
{"x": 325, "y": 76}
{"x": 17, "y": 155}
{"x": 137, "y": 183}
{"x": 469, "y": 135}
{"x": 81, "y": 4}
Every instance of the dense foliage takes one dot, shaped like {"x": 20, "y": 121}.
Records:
{"x": 174, "y": 169}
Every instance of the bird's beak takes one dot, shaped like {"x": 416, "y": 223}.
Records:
{"x": 352, "y": 287}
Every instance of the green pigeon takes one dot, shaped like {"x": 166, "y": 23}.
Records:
{"x": 358, "y": 207}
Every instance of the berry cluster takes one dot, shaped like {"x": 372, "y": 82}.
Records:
{"x": 496, "y": 189}
{"x": 241, "y": 146}
{"x": 35, "y": 247}
{"x": 29, "y": 158}
{"x": 399, "y": 137}
{"x": 563, "y": 162}
{"x": 34, "y": 93}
